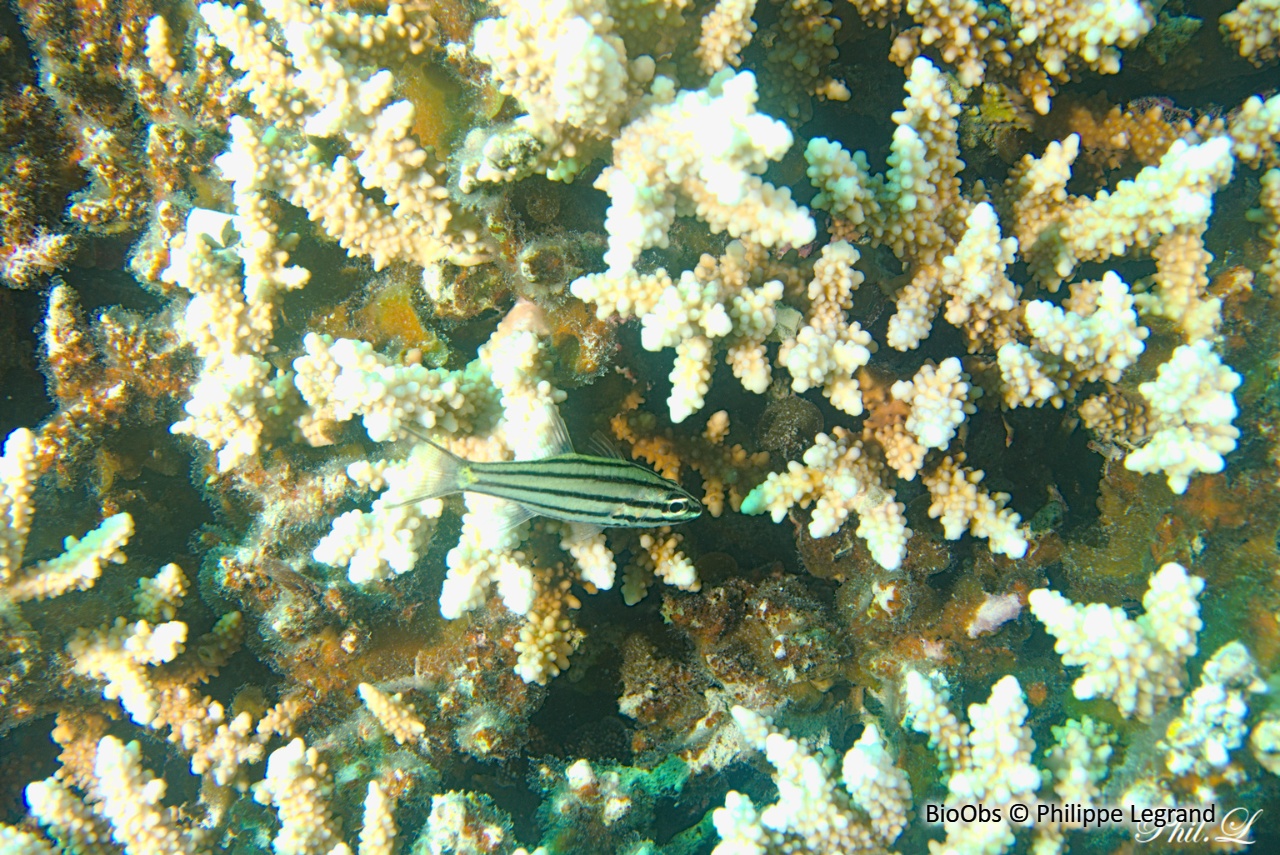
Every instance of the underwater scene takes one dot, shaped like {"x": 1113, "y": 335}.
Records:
{"x": 639, "y": 427}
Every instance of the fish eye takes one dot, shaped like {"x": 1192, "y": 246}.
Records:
{"x": 677, "y": 506}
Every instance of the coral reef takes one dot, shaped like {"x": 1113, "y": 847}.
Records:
{"x": 977, "y": 301}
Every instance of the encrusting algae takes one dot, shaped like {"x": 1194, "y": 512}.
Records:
{"x": 975, "y": 300}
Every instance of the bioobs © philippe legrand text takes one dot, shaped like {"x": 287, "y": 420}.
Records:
{"x": 1077, "y": 815}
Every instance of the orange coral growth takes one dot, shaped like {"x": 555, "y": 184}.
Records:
{"x": 120, "y": 368}
{"x": 1037, "y": 693}
{"x": 1234, "y": 287}
{"x": 453, "y": 20}
{"x": 1110, "y": 134}
{"x": 583, "y": 341}
{"x": 1210, "y": 499}
{"x": 1263, "y": 633}
{"x": 886, "y": 427}
{"x": 431, "y": 90}
{"x": 391, "y": 316}
{"x": 656, "y": 450}
{"x": 37, "y": 171}
{"x": 464, "y": 292}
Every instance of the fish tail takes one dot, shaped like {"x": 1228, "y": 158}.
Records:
{"x": 437, "y": 472}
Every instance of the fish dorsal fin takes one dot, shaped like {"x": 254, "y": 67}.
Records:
{"x": 600, "y": 446}
{"x": 415, "y": 432}
{"x": 552, "y": 437}
{"x": 558, "y": 435}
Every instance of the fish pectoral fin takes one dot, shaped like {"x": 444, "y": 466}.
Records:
{"x": 580, "y": 532}
{"x": 508, "y": 515}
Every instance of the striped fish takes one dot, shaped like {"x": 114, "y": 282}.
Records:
{"x": 585, "y": 489}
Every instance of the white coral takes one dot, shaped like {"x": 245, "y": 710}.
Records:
{"x": 1136, "y": 663}
{"x": 1193, "y": 408}
{"x": 701, "y": 151}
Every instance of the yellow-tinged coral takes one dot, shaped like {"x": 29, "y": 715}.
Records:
{"x": 298, "y": 786}
{"x": 732, "y": 299}
{"x": 810, "y": 807}
{"x": 1173, "y": 196}
{"x": 988, "y": 757}
{"x": 79, "y": 566}
{"x": 398, "y": 718}
{"x": 1255, "y": 131}
{"x": 961, "y": 504}
{"x": 1269, "y": 214}
{"x": 1094, "y": 336}
{"x": 311, "y": 85}
{"x": 718, "y": 177}
{"x": 1030, "y": 42}
{"x": 1253, "y": 27}
{"x": 1192, "y": 413}
{"x": 1182, "y": 284}
{"x": 726, "y": 30}
{"x": 827, "y": 351}
{"x": 583, "y": 94}
{"x": 548, "y": 634}
{"x": 802, "y": 48}
{"x": 1110, "y": 134}
{"x": 915, "y": 208}
{"x": 659, "y": 555}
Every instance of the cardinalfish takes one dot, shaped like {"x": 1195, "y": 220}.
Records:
{"x": 593, "y": 491}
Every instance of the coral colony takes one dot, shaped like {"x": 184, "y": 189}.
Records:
{"x": 958, "y": 318}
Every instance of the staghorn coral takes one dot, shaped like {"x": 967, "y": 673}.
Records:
{"x": 714, "y": 177}
{"x": 310, "y": 85}
{"x": 121, "y": 369}
{"x": 1032, "y": 43}
{"x": 731, "y": 299}
{"x": 829, "y": 348}
{"x": 810, "y": 810}
{"x": 578, "y": 101}
{"x": 77, "y": 568}
{"x": 38, "y": 174}
{"x": 988, "y": 757}
{"x": 1111, "y": 134}
{"x": 1192, "y": 408}
{"x": 838, "y": 478}
{"x": 1134, "y": 663}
